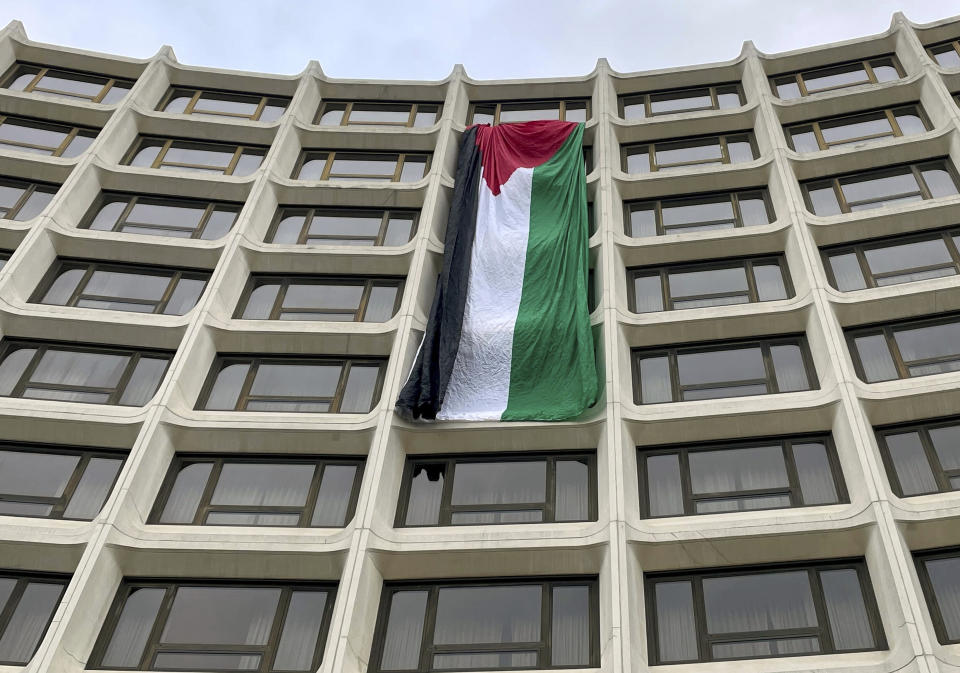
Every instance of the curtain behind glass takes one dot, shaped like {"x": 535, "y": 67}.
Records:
{"x": 133, "y": 628}
{"x": 333, "y": 499}
{"x": 759, "y": 602}
{"x": 911, "y": 464}
{"x": 504, "y": 614}
{"x": 252, "y": 484}
{"x": 846, "y": 610}
{"x": 676, "y": 624}
{"x": 402, "y": 642}
{"x": 301, "y": 629}
{"x": 573, "y": 490}
{"x": 570, "y": 640}
{"x": 814, "y": 474}
{"x": 945, "y": 579}
{"x": 28, "y": 624}
{"x": 744, "y": 469}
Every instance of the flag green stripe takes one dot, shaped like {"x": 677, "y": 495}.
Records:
{"x": 553, "y": 373}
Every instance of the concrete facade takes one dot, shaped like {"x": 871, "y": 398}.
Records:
{"x": 620, "y": 546}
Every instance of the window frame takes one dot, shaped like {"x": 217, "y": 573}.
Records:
{"x": 152, "y": 646}
{"x": 926, "y": 585}
{"x": 285, "y": 280}
{"x": 63, "y": 264}
{"x": 683, "y": 450}
{"x": 922, "y": 428}
{"x": 498, "y": 107}
{"x": 104, "y": 198}
{"x": 734, "y": 197}
{"x": 205, "y": 507}
{"x": 888, "y": 330}
{"x": 29, "y": 187}
{"x": 198, "y": 92}
{"x": 860, "y": 248}
{"x": 24, "y": 578}
{"x": 764, "y": 343}
{"x": 916, "y": 169}
{"x": 447, "y": 509}
{"x": 954, "y": 44}
{"x": 167, "y": 143}
{"x": 432, "y": 587}
{"x": 307, "y": 155}
{"x": 348, "y": 104}
{"x": 12, "y": 75}
{"x": 8, "y": 345}
{"x": 223, "y": 360}
{"x": 746, "y": 263}
{"x": 822, "y": 631}
{"x": 69, "y": 131}
{"x": 651, "y": 149}
{"x": 644, "y": 99}
{"x": 310, "y": 212}
{"x": 867, "y": 64}
{"x": 890, "y": 113}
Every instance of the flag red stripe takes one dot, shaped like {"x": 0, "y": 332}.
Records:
{"x": 507, "y": 147}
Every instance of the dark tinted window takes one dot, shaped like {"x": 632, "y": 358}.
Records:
{"x": 27, "y": 604}
{"x": 906, "y": 349}
{"x": 922, "y": 458}
{"x": 939, "y": 573}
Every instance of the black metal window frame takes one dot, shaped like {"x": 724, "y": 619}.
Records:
{"x": 165, "y": 144}
{"x": 746, "y": 263}
{"x": 816, "y": 126}
{"x": 952, "y": 44}
{"x": 329, "y": 157}
{"x": 309, "y": 213}
{"x": 941, "y": 476}
{"x": 930, "y": 595}
{"x": 63, "y": 264}
{"x": 764, "y": 343}
{"x": 447, "y": 509}
{"x": 346, "y": 107}
{"x": 60, "y": 504}
{"x": 646, "y": 99}
{"x": 23, "y": 580}
{"x": 733, "y": 197}
{"x": 870, "y": 278}
{"x": 29, "y": 187}
{"x": 483, "y": 107}
{"x": 428, "y": 649}
{"x": 70, "y": 133}
{"x": 822, "y": 631}
{"x": 887, "y": 330}
{"x": 196, "y": 93}
{"x": 867, "y": 65}
{"x": 205, "y": 506}
{"x": 285, "y": 280}
{"x": 652, "y": 148}
{"x": 152, "y": 646}
{"x": 131, "y": 199}
{"x": 836, "y": 183}
{"x": 223, "y": 360}
{"x": 690, "y": 500}
{"x": 41, "y": 346}
{"x": 21, "y": 68}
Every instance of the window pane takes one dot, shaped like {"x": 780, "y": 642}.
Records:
{"x": 221, "y": 616}
{"x": 360, "y": 389}
{"x": 664, "y": 485}
{"x": 260, "y": 484}
{"x": 946, "y": 442}
{"x": 524, "y": 112}
{"x": 643, "y": 221}
{"x": 426, "y": 489}
{"x": 939, "y": 182}
{"x": 80, "y": 369}
{"x": 655, "y": 380}
{"x": 13, "y": 366}
{"x": 333, "y": 500}
{"x": 945, "y": 580}
{"x": 399, "y": 230}
{"x": 648, "y": 293}
{"x": 185, "y": 296}
{"x": 875, "y": 123}
{"x": 499, "y": 483}
{"x": 846, "y": 610}
{"x": 708, "y": 281}
{"x": 261, "y": 301}
{"x": 379, "y": 113}
{"x": 40, "y": 474}
{"x": 946, "y": 56}
{"x": 380, "y": 304}
{"x": 638, "y": 161}
{"x": 765, "y": 648}
{"x": 29, "y": 621}
{"x": 814, "y": 474}
{"x": 758, "y": 602}
{"x": 402, "y": 642}
{"x": 769, "y": 280}
{"x": 414, "y": 168}
{"x": 144, "y": 381}
{"x": 744, "y": 469}
{"x": 697, "y": 150}
{"x": 301, "y": 629}
{"x": 788, "y": 88}
{"x": 847, "y": 272}
{"x": 932, "y": 341}
{"x": 184, "y": 498}
{"x": 572, "y": 490}
{"x": 804, "y": 140}
{"x": 719, "y": 209}
{"x": 875, "y": 358}
{"x": 858, "y": 189}
{"x": 676, "y": 624}
{"x": 497, "y": 614}
{"x": 247, "y": 163}
{"x": 908, "y": 255}
{"x": 93, "y": 489}
{"x": 34, "y": 204}
{"x": 296, "y": 380}
{"x": 753, "y": 210}
{"x": 910, "y": 463}
{"x": 226, "y": 388}
{"x": 845, "y": 75}
{"x": 694, "y": 99}
{"x": 824, "y": 201}
{"x": 133, "y": 628}
{"x": 570, "y": 628}
{"x": 789, "y": 368}
{"x": 732, "y": 364}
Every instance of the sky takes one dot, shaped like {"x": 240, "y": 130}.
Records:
{"x": 493, "y": 39}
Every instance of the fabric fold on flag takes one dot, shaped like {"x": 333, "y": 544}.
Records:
{"x": 508, "y": 336}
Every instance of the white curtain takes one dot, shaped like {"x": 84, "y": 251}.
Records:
{"x": 184, "y": 498}
{"x": 133, "y": 628}
{"x": 911, "y": 464}
{"x": 333, "y": 499}
{"x": 676, "y": 626}
{"x": 93, "y": 489}
{"x": 813, "y": 472}
{"x": 301, "y": 629}
{"x": 570, "y": 640}
{"x": 875, "y": 358}
{"x": 846, "y": 610}
{"x": 758, "y": 602}
{"x": 29, "y": 622}
{"x": 945, "y": 578}
{"x": 573, "y": 490}
{"x": 426, "y": 491}
{"x": 403, "y": 640}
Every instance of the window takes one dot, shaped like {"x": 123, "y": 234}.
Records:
{"x": 739, "y": 477}
{"x": 758, "y": 367}
{"x": 571, "y": 110}
{"x": 161, "y": 216}
{"x": 719, "y": 97}
{"x": 826, "y": 134}
{"x": 670, "y": 288}
{"x": 229, "y": 104}
{"x": 530, "y": 488}
{"x": 259, "y": 491}
{"x": 699, "y": 212}
{"x": 873, "y": 189}
{"x": 367, "y": 113}
{"x": 80, "y": 373}
{"x": 121, "y": 287}
{"x": 901, "y": 259}
{"x": 351, "y": 299}
{"x": 854, "y": 73}
{"x": 906, "y": 349}
{"x": 745, "y": 613}
{"x": 946, "y": 54}
{"x": 939, "y": 573}
{"x": 53, "y": 482}
{"x": 4, "y": 258}
{"x": 922, "y": 458}
{"x": 689, "y": 153}
{"x": 21, "y": 200}
{"x": 335, "y": 165}
{"x": 338, "y": 226}
{"x": 27, "y": 604}
{"x": 488, "y": 625}
{"x": 293, "y": 384}
{"x": 43, "y": 137}
{"x": 215, "y": 626}
{"x": 66, "y": 83}
{"x": 191, "y": 155}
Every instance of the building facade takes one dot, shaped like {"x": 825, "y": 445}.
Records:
{"x": 216, "y": 282}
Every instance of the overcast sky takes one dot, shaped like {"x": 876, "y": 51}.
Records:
{"x": 423, "y": 39}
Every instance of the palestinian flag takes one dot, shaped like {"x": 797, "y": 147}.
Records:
{"x": 508, "y": 337}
